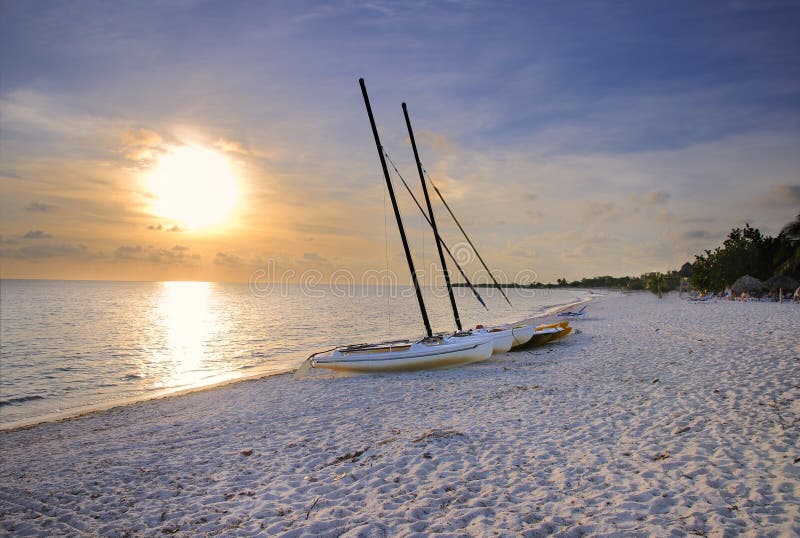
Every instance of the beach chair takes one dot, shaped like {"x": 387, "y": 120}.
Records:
{"x": 573, "y": 314}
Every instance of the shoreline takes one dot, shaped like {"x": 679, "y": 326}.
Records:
{"x": 83, "y": 411}
{"x": 654, "y": 417}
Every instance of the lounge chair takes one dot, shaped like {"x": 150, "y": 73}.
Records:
{"x": 574, "y": 314}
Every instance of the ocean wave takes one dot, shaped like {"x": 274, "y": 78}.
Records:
{"x": 20, "y": 400}
{"x": 132, "y": 377}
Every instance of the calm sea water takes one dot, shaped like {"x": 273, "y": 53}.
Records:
{"x": 69, "y": 345}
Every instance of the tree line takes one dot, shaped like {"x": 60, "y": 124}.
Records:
{"x": 746, "y": 251}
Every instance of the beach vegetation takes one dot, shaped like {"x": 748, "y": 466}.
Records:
{"x": 746, "y": 251}
{"x": 656, "y": 282}
{"x": 789, "y": 255}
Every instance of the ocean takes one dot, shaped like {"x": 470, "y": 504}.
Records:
{"x": 70, "y": 346}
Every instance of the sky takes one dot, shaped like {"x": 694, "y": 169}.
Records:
{"x": 207, "y": 140}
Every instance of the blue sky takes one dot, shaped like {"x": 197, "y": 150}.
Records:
{"x": 574, "y": 138}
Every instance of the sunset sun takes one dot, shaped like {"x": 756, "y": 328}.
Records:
{"x": 194, "y": 187}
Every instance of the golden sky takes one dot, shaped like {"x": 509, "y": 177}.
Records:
{"x": 190, "y": 142}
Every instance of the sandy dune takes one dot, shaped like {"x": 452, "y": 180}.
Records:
{"x": 657, "y": 418}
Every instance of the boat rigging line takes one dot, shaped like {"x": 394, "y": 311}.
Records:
{"x": 436, "y": 233}
{"x": 497, "y": 284}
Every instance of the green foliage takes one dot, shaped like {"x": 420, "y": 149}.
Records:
{"x": 788, "y": 257}
{"x": 745, "y": 252}
{"x": 670, "y": 281}
{"x": 635, "y": 284}
{"x": 654, "y": 283}
{"x": 660, "y": 283}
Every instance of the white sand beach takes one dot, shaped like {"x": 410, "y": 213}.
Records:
{"x": 657, "y": 418}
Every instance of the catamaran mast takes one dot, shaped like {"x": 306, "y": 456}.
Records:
{"x": 396, "y": 210}
{"x": 433, "y": 219}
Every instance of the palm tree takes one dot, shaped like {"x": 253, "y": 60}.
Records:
{"x": 791, "y": 232}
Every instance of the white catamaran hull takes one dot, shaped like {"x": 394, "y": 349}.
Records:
{"x": 501, "y": 340}
{"x": 522, "y": 335}
{"x": 416, "y": 356}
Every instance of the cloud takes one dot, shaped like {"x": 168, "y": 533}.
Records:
{"x": 700, "y": 220}
{"x": 141, "y": 145}
{"x": 321, "y": 229}
{"x": 580, "y": 251}
{"x": 438, "y": 143}
{"x": 41, "y": 207}
{"x": 160, "y": 227}
{"x": 655, "y": 198}
{"x": 606, "y": 211}
{"x": 8, "y": 240}
{"x": 126, "y": 252}
{"x": 699, "y": 234}
{"x": 227, "y": 260}
{"x": 534, "y": 215}
{"x": 41, "y": 252}
{"x": 232, "y": 146}
{"x": 783, "y": 195}
{"x": 177, "y": 255}
{"x": 313, "y": 256}
{"x": 37, "y": 234}
{"x": 594, "y": 236}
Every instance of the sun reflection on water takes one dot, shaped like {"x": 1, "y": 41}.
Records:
{"x": 190, "y": 325}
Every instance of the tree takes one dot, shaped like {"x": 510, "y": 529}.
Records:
{"x": 655, "y": 283}
{"x": 789, "y": 256}
{"x": 745, "y": 252}
{"x": 661, "y": 283}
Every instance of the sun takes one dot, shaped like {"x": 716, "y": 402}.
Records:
{"x": 194, "y": 187}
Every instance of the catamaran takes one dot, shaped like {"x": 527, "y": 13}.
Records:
{"x": 436, "y": 351}
{"x": 432, "y": 351}
{"x": 442, "y": 349}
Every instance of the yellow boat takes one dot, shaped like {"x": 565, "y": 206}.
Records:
{"x": 543, "y": 336}
{"x": 565, "y": 332}
{"x": 561, "y": 324}
{"x": 547, "y": 333}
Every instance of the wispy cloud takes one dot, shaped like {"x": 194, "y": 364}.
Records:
{"x": 50, "y": 251}
{"x": 41, "y": 207}
{"x": 177, "y": 255}
{"x": 142, "y": 145}
{"x": 228, "y": 260}
{"x": 783, "y": 196}
{"x": 37, "y": 234}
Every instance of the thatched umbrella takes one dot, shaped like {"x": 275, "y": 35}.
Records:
{"x": 747, "y": 284}
{"x": 781, "y": 282}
